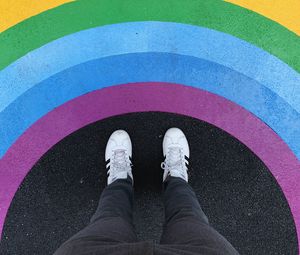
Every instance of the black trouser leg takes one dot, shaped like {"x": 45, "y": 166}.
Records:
{"x": 185, "y": 222}
{"x": 112, "y": 221}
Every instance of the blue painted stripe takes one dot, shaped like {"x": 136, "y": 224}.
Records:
{"x": 145, "y": 37}
{"x": 146, "y": 67}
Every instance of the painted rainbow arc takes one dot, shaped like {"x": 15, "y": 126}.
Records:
{"x": 155, "y": 45}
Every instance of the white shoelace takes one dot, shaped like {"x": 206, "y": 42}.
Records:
{"x": 119, "y": 162}
{"x": 175, "y": 160}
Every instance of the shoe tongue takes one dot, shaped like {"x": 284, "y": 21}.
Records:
{"x": 175, "y": 147}
{"x": 174, "y": 155}
{"x": 119, "y": 151}
{"x": 119, "y": 156}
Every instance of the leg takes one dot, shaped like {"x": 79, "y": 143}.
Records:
{"x": 185, "y": 222}
{"x": 113, "y": 217}
{"x": 112, "y": 222}
{"x": 186, "y": 225}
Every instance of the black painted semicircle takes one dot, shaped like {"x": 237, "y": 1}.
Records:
{"x": 238, "y": 193}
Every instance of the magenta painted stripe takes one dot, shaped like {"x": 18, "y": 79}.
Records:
{"x": 165, "y": 97}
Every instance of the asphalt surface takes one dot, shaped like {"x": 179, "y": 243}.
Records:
{"x": 237, "y": 192}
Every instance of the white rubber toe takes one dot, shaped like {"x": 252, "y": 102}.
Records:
{"x": 118, "y": 155}
{"x": 176, "y": 152}
{"x": 175, "y": 137}
{"x": 119, "y": 139}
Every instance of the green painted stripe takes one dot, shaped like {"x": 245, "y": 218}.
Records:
{"x": 215, "y": 14}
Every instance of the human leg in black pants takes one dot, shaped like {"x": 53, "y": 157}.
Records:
{"x": 185, "y": 222}
{"x": 111, "y": 226}
{"x": 112, "y": 221}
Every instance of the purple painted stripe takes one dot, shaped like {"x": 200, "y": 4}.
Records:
{"x": 142, "y": 97}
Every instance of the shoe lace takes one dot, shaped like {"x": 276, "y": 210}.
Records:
{"x": 119, "y": 162}
{"x": 175, "y": 160}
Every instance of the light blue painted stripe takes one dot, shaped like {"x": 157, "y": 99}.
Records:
{"x": 149, "y": 36}
{"x": 147, "y": 67}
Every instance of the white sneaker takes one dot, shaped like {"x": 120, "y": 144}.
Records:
{"x": 118, "y": 155}
{"x": 176, "y": 152}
